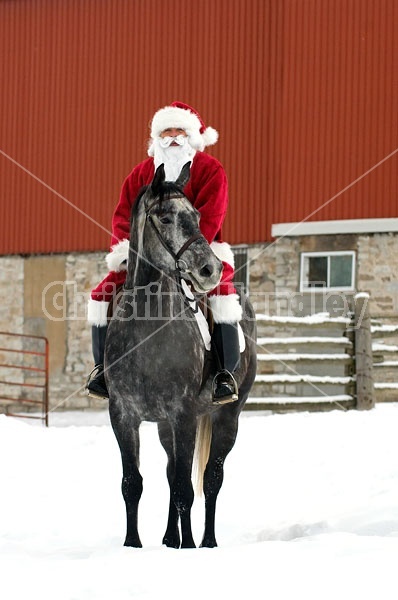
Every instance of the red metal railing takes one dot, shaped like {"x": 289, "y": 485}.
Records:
{"x": 24, "y": 375}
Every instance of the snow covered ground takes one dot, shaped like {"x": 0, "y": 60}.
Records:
{"x": 308, "y": 510}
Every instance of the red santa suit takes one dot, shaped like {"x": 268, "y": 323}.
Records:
{"x": 207, "y": 189}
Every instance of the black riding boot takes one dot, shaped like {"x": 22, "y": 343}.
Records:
{"x": 225, "y": 341}
{"x": 96, "y": 386}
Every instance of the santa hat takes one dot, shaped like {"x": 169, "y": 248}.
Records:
{"x": 185, "y": 117}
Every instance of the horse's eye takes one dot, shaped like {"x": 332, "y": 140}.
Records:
{"x": 165, "y": 220}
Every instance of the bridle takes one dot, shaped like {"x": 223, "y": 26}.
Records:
{"x": 180, "y": 264}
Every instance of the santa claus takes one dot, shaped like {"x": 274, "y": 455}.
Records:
{"x": 178, "y": 135}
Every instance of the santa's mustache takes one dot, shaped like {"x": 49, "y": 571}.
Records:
{"x": 166, "y": 141}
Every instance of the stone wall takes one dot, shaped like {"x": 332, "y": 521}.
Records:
{"x": 377, "y": 272}
{"x": 275, "y": 270}
{"x": 261, "y": 259}
{"x": 11, "y": 293}
{"x": 47, "y": 296}
{"x": 11, "y": 321}
{"x": 83, "y": 273}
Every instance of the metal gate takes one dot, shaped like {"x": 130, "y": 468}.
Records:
{"x": 24, "y": 370}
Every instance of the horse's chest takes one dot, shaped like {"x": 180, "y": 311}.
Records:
{"x": 157, "y": 389}
{"x": 157, "y": 362}
{"x": 169, "y": 356}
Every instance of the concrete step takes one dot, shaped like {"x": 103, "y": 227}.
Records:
{"x": 315, "y": 325}
{"x": 300, "y": 385}
{"x": 384, "y": 352}
{"x": 385, "y": 371}
{"x": 284, "y": 404}
{"x": 311, "y": 364}
{"x": 386, "y": 392}
{"x": 304, "y": 345}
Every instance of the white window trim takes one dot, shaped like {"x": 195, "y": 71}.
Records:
{"x": 304, "y": 288}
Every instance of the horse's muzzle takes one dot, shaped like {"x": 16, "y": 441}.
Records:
{"x": 206, "y": 271}
{"x": 207, "y": 277}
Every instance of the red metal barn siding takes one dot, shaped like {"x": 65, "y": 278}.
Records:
{"x": 80, "y": 82}
{"x": 304, "y": 94}
{"x": 339, "y": 106}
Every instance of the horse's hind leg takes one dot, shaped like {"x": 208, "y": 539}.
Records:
{"x": 225, "y": 428}
{"x": 126, "y": 430}
{"x": 172, "y": 536}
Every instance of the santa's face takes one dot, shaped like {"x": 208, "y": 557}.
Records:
{"x": 176, "y": 134}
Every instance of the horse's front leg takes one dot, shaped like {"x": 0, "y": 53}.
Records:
{"x": 225, "y": 428}
{"x": 172, "y": 536}
{"x": 126, "y": 430}
{"x": 132, "y": 490}
{"x": 181, "y": 489}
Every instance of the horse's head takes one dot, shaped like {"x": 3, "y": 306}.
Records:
{"x": 170, "y": 238}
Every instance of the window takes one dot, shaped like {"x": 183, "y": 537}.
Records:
{"x": 327, "y": 271}
{"x": 241, "y": 267}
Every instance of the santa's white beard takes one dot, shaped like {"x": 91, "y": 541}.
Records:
{"x": 173, "y": 158}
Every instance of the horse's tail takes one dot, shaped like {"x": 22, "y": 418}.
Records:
{"x": 202, "y": 451}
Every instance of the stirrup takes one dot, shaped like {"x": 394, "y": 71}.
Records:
{"x": 230, "y": 387}
{"x": 95, "y": 388}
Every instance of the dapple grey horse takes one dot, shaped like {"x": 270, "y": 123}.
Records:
{"x": 156, "y": 365}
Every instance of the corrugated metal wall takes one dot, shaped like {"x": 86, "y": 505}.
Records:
{"x": 83, "y": 79}
{"x": 304, "y": 94}
{"x": 339, "y": 110}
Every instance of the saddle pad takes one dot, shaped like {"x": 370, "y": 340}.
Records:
{"x": 202, "y": 321}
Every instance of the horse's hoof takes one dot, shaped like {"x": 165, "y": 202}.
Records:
{"x": 208, "y": 543}
{"x": 171, "y": 540}
{"x": 133, "y": 542}
{"x": 188, "y": 544}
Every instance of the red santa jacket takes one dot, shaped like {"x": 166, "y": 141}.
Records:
{"x": 207, "y": 189}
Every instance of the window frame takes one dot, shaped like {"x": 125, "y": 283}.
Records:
{"x": 328, "y": 255}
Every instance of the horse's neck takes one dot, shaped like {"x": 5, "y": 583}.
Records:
{"x": 159, "y": 289}
{"x": 140, "y": 273}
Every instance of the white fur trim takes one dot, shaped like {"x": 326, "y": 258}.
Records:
{"x": 119, "y": 253}
{"x": 97, "y": 312}
{"x": 223, "y": 251}
{"x": 173, "y": 116}
{"x": 226, "y": 309}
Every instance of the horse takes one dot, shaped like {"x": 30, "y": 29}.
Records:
{"x": 157, "y": 368}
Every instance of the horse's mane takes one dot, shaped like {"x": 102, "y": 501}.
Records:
{"x": 167, "y": 189}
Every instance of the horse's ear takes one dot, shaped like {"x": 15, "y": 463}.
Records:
{"x": 184, "y": 176}
{"x": 157, "y": 181}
